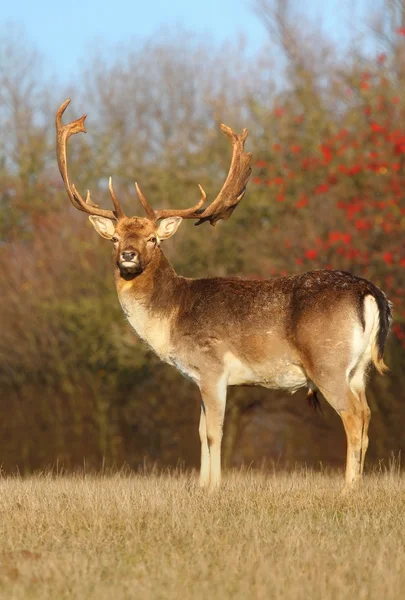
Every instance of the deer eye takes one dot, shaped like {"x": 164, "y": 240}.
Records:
{"x": 114, "y": 240}
{"x": 153, "y": 240}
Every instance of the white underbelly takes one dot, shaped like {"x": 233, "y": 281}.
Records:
{"x": 279, "y": 374}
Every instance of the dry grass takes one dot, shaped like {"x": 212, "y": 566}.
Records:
{"x": 158, "y": 536}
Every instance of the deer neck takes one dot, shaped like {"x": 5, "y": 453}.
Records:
{"x": 149, "y": 302}
{"x": 159, "y": 274}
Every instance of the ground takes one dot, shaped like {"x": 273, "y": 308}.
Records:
{"x": 263, "y": 535}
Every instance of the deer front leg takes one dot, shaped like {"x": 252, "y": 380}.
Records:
{"x": 205, "y": 453}
{"x": 214, "y": 402}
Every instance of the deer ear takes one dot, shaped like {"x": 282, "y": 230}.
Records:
{"x": 104, "y": 227}
{"x": 167, "y": 227}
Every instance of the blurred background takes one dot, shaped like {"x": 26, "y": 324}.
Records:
{"x": 321, "y": 88}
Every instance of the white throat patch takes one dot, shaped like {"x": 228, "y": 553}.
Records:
{"x": 153, "y": 330}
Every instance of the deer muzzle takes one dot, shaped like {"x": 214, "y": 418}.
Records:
{"x": 129, "y": 262}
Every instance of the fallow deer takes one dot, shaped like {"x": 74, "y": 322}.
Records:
{"x": 321, "y": 330}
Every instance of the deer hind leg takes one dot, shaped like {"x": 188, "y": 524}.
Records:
{"x": 357, "y": 386}
{"x": 341, "y": 377}
{"x": 349, "y": 401}
{"x": 366, "y": 417}
{"x": 205, "y": 453}
{"x": 214, "y": 399}
{"x": 356, "y": 419}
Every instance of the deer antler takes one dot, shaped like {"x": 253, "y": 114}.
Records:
{"x": 185, "y": 213}
{"x": 63, "y": 133}
{"x": 228, "y": 198}
{"x": 222, "y": 207}
{"x": 235, "y": 184}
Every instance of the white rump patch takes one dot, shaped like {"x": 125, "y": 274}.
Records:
{"x": 362, "y": 344}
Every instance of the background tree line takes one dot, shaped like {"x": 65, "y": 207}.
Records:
{"x": 327, "y": 127}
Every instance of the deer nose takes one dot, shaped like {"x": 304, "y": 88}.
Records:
{"x": 126, "y": 256}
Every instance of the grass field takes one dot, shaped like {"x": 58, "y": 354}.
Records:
{"x": 158, "y": 536}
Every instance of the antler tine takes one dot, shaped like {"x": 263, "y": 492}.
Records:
{"x": 63, "y": 133}
{"x": 118, "y": 210}
{"x": 185, "y": 213}
{"x": 148, "y": 209}
{"x": 228, "y": 198}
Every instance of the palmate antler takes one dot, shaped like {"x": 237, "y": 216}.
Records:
{"x": 222, "y": 207}
{"x": 63, "y": 133}
{"x": 228, "y": 198}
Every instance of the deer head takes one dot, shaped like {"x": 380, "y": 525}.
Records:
{"x": 136, "y": 239}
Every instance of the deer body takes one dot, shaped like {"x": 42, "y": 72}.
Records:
{"x": 257, "y": 338}
{"x": 320, "y": 330}
{"x": 268, "y": 333}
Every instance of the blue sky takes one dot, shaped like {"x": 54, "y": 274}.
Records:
{"x": 63, "y": 31}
